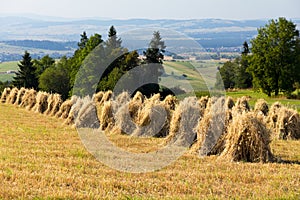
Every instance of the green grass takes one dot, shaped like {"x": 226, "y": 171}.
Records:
{"x": 6, "y": 66}
{"x": 46, "y": 160}
{"x": 254, "y": 96}
{"x": 200, "y": 75}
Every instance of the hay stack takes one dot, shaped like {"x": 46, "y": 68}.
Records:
{"x": 241, "y": 106}
{"x": 229, "y": 102}
{"x": 76, "y": 107}
{"x": 29, "y": 99}
{"x": 106, "y": 97}
{"x": 66, "y": 107}
{"x": 12, "y": 97}
{"x": 20, "y": 95}
{"x": 5, "y": 94}
{"x": 106, "y": 116}
{"x": 248, "y": 140}
{"x": 212, "y": 129}
{"x": 272, "y": 117}
{"x": 98, "y": 97}
{"x": 54, "y": 103}
{"x": 203, "y": 102}
{"x": 122, "y": 98}
{"x": 261, "y": 107}
{"x": 288, "y": 124}
{"x": 153, "y": 118}
{"x": 183, "y": 123}
{"x": 170, "y": 102}
{"x": 85, "y": 114}
{"x": 41, "y": 102}
{"x": 124, "y": 123}
{"x": 135, "y": 104}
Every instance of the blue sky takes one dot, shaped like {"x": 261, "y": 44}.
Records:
{"x": 155, "y": 9}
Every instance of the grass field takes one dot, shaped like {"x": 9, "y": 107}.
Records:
{"x": 200, "y": 75}
{"x": 42, "y": 159}
{"x": 254, "y": 96}
{"x": 6, "y": 66}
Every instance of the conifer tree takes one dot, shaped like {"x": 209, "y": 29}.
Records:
{"x": 26, "y": 75}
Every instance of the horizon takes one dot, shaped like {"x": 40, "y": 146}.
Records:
{"x": 69, "y": 19}
{"x": 155, "y": 9}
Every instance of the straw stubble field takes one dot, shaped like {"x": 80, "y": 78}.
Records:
{"x": 42, "y": 158}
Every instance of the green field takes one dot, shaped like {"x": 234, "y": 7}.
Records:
{"x": 254, "y": 96}
{"x": 200, "y": 75}
{"x": 6, "y": 66}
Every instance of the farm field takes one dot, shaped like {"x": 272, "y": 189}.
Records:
{"x": 200, "y": 75}
{"x": 46, "y": 160}
{"x": 254, "y": 96}
{"x": 6, "y": 66}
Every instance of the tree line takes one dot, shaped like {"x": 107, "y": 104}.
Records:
{"x": 271, "y": 65}
{"x": 58, "y": 76}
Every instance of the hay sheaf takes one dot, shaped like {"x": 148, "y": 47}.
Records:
{"x": 153, "y": 118}
{"x": 20, "y": 95}
{"x": 124, "y": 123}
{"x": 54, "y": 103}
{"x": 85, "y": 114}
{"x": 73, "y": 114}
{"x": 203, "y": 101}
{"x": 154, "y": 121}
{"x": 135, "y": 104}
{"x": 29, "y": 99}
{"x": 170, "y": 102}
{"x": 261, "y": 107}
{"x": 41, "y": 104}
{"x": 242, "y": 106}
{"x": 248, "y": 140}
{"x": 98, "y": 97}
{"x": 212, "y": 129}
{"x": 272, "y": 117}
{"x": 183, "y": 123}
{"x": 288, "y": 124}
{"x": 106, "y": 97}
{"x": 5, "y": 94}
{"x": 12, "y": 97}
{"x": 106, "y": 116}
{"x": 66, "y": 107}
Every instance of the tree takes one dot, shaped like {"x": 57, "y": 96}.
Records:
{"x": 274, "y": 63}
{"x": 154, "y": 56}
{"x": 26, "y": 75}
{"x": 83, "y": 40}
{"x": 243, "y": 78}
{"x": 113, "y": 42}
{"x": 42, "y": 64}
{"x": 156, "y": 50}
{"x": 55, "y": 79}
{"x": 226, "y": 76}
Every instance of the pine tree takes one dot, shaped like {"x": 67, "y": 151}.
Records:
{"x": 113, "y": 41}
{"x": 156, "y": 50}
{"x": 154, "y": 56}
{"x": 26, "y": 75}
{"x": 243, "y": 78}
{"x": 83, "y": 40}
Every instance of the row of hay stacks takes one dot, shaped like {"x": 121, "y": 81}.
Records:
{"x": 207, "y": 126}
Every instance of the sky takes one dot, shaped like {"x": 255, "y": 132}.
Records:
{"x": 155, "y": 9}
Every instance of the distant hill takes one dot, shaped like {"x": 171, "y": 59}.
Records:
{"x": 43, "y": 44}
{"x": 58, "y": 36}
{"x": 209, "y": 32}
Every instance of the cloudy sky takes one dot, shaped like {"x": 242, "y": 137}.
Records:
{"x": 155, "y": 9}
